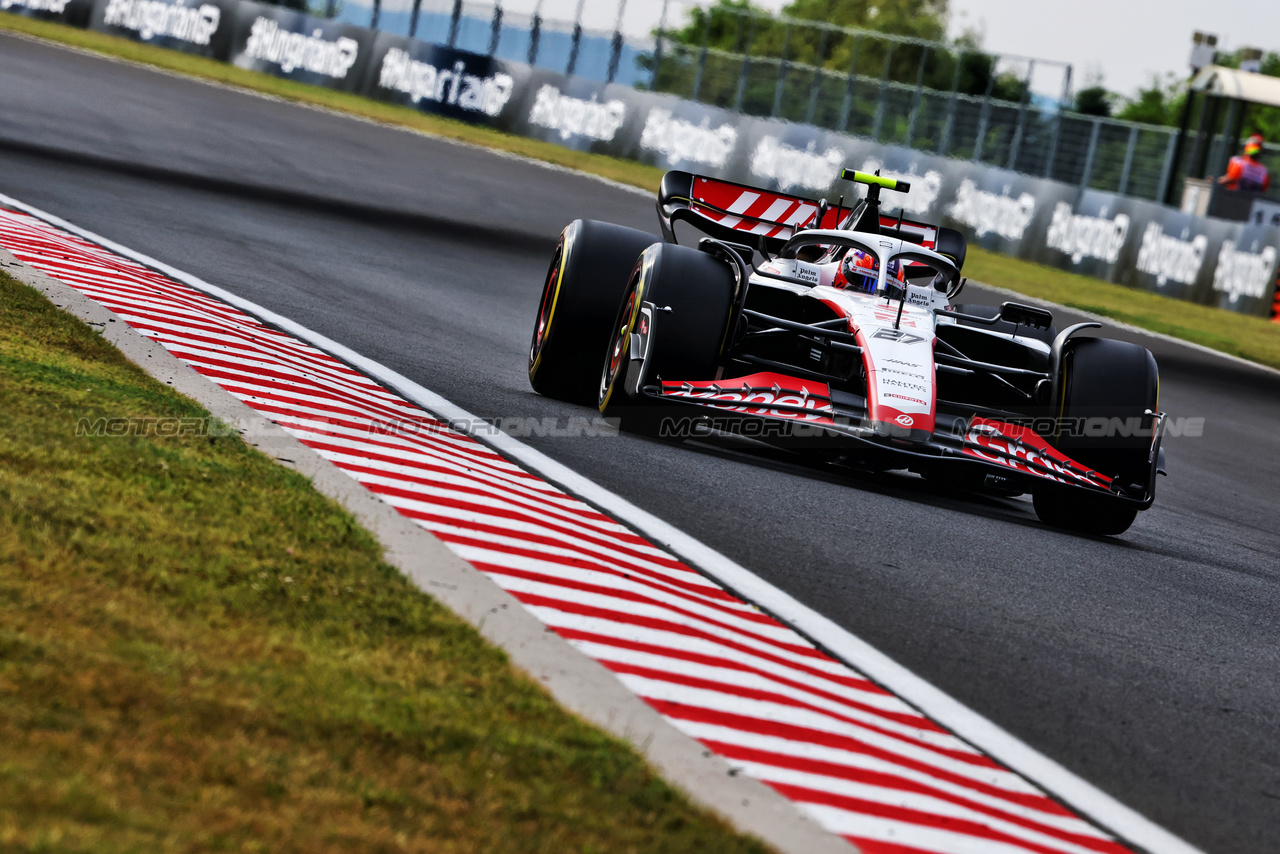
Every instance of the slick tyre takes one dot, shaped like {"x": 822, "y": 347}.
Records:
{"x": 1085, "y": 513}
{"x": 584, "y": 284}
{"x": 1106, "y": 389}
{"x": 684, "y": 336}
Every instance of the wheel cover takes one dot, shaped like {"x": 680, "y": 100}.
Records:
{"x": 546, "y": 309}
{"x": 621, "y": 345}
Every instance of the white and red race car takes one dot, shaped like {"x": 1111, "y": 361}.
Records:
{"x": 830, "y": 331}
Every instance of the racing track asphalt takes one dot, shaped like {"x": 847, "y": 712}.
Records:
{"x": 1148, "y": 664}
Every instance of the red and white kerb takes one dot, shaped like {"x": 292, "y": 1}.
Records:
{"x": 855, "y": 757}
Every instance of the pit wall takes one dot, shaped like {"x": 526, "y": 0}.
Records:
{"x": 1127, "y": 241}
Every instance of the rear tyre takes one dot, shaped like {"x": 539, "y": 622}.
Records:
{"x": 1107, "y": 387}
{"x": 588, "y": 274}
{"x": 693, "y": 296}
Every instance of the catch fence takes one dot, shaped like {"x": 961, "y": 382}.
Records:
{"x": 934, "y": 97}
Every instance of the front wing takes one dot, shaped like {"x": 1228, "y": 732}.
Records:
{"x": 799, "y": 414}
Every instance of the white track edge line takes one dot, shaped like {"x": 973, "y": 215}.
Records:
{"x": 1129, "y": 825}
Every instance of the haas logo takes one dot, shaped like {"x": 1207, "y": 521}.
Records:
{"x": 905, "y": 420}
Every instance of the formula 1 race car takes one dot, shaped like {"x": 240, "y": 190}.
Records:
{"x": 831, "y": 332}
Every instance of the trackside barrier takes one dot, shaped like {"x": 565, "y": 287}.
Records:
{"x": 1275, "y": 306}
{"x": 1123, "y": 240}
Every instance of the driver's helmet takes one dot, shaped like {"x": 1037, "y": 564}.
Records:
{"x": 858, "y": 271}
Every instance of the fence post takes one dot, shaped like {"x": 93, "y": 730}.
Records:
{"x": 741, "y": 94}
{"x": 331, "y": 8}
{"x": 884, "y": 93}
{"x": 949, "y": 127}
{"x": 847, "y": 106}
{"x": 615, "y": 56}
{"x": 1057, "y": 124}
{"x": 1208, "y": 107}
{"x": 413, "y": 18}
{"x": 615, "y": 45}
{"x": 1088, "y": 158}
{"x": 702, "y": 57}
{"x": 454, "y": 20}
{"x": 1166, "y": 172}
{"x": 1128, "y": 160}
{"x": 1230, "y": 136}
{"x": 985, "y": 115}
{"x": 496, "y": 31}
{"x": 1022, "y": 117}
{"x": 657, "y": 48}
{"x": 576, "y": 41}
{"x": 817, "y": 77}
{"x": 377, "y": 10}
{"x": 782, "y": 72}
{"x": 917, "y": 97}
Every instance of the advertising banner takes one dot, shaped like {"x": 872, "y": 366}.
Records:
{"x": 1135, "y": 243}
{"x": 577, "y": 113}
{"x": 1144, "y": 245}
{"x": 440, "y": 80}
{"x": 74, "y": 12}
{"x": 679, "y": 134}
{"x": 295, "y": 45}
{"x": 201, "y": 27}
{"x": 660, "y": 130}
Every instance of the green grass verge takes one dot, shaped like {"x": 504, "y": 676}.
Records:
{"x": 1248, "y": 337}
{"x": 1253, "y": 338}
{"x": 198, "y": 652}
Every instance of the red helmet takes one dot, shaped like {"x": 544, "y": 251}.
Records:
{"x": 858, "y": 271}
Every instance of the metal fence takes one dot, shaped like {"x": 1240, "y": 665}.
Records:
{"x": 934, "y": 97}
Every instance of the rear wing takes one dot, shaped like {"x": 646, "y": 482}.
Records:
{"x": 760, "y": 218}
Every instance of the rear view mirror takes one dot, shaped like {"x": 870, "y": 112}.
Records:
{"x": 1026, "y": 315}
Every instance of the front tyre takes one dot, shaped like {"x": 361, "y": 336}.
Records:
{"x": 1106, "y": 390}
{"x": 676, "y": 307}
{"x": 585, "y": 281}
{"x": 1085, "y": 513}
